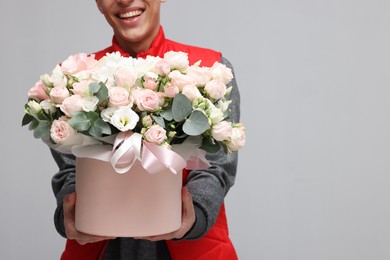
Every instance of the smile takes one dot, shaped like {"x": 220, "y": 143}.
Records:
{"x": 130, "y": 14}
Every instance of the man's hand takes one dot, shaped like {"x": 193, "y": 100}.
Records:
{"x": 188, "y": 220}
{"x": 69, "y": 223}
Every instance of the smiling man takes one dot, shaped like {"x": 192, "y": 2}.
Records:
{"x": 204, "y": 231}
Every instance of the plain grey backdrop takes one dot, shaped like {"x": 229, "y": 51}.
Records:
{"x": 314, "y": 179}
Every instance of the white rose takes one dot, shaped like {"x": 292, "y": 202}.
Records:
{"x": 59, "y": 93}
{"x": 180, "y": 80}
{"x": 201, "y": 75}
{"x": 177, "y": 60}
{"x": 215, "y": 88}
{"x": 222, "y": 131}
{"x": 238, "y": 139}
{"x": 221, "y": 72}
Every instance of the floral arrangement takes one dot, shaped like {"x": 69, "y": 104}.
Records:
{"x": 165, "y": 100}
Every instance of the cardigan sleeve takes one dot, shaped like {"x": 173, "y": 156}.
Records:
{"x": 209, "y": 187}
{"x": 63, "y": 183}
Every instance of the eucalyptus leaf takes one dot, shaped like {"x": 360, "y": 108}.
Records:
{"x": 167, "y": 114}
{"x": 80, "y": 122}
{"x": 181, "y": 107}
{"x": 94, "y": 87}
{"x": 99, "y": 128}
{"x": 159, "y": 120}
{"x": 196, "y": 124}
{"x": 42, "y": 129}
{"x": 34, "y": 124}
{"x": 210, "y": 145}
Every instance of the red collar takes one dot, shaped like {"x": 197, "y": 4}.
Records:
{"x": 157, "y": 47}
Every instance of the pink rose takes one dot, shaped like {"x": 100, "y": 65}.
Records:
{"x": 125, "y": 77}
{"x": 221, "y": 72}
{"x": 72, "y": 104}
{"x": 177, "y": 60}
{"x": 238, "y": 139}
{"x": 155, "y": 134}
{"x": 38, "y": 91}
{"x": 59, "y": 93}
{"x": 170, "y": 90}
{"x": 147, "y": 100}
{"x": 161, "y": 96}
{"x": 81, "y": 88}
{"x": 215, "y": 88}
{"x": 180, "y": 80}
{"x": 78, "y": 62}
{"x": 150, "y": 83}
{"x": 201, "y": 75}
{"x": 163, "y": 67}
{"x": 222, "y": 131}
{"x": 118, "y": 96}
{"x": 61, "y": 130}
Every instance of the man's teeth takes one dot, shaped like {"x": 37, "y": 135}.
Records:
{"x": 131, "y": 14}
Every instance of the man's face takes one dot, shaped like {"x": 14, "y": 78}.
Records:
{"x": 135, "y": 22}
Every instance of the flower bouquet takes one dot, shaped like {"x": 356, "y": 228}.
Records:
{"x": 144, "y": 117}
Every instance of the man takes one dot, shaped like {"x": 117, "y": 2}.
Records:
{"x": 203, "y": 233}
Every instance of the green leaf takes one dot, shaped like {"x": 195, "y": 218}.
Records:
{"x": 80, "y": 121}
{"x": 27, "y": 119}
{"x": 99, "y": 90}
{"x": 196, "y": 124}
{"x": 94, "y": 87}
{"x": 210, "y": 145}
{"x": 181, "y": 107}
{"x": 167, "y": 114}
{"x": 34, "y": 124}
{"x": 42, "y": 129}
{"x": 99, "y": 127}
{"x": 159, "y": 120}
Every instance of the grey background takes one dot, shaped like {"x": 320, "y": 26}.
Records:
{"x": 313, "y": 180}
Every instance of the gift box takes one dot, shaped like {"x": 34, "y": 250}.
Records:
{"x": 132, "y": 204}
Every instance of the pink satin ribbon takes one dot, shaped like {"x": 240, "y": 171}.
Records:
{"x": 129, "y": 147}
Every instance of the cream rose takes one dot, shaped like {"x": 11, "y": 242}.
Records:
{"x": 38, "y": 91}
{"x": 118, "y": 96}
{"x": 170, "y": 90}
{"x": 72, "y": 104}
{"x": 81, "y": 88}
{"x": 180, "y": 80}
{"x": 222, "y": 131}
{"x": 177, "y": 60}
{"x": 221, "y": 72}
{"x": 238, "y": 139}
{"x": 61, "y": 130}
{"x": 147, "y": 100}
{"x": 201, "y": 75}
{"x": 155, "y": 134}
{"x": 125, "y": 77}
{"x": 216, "y": 89}
{"x": 59, "y": 93}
